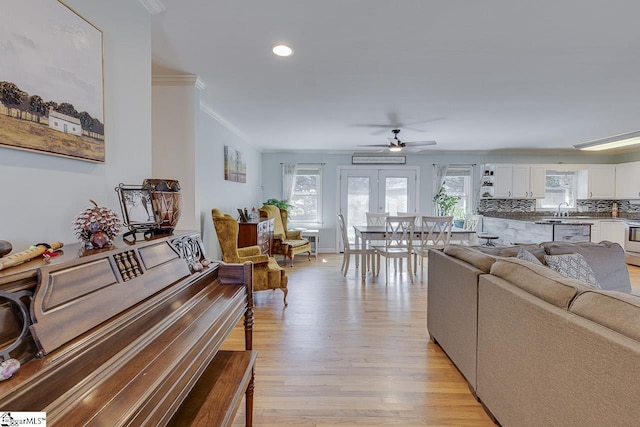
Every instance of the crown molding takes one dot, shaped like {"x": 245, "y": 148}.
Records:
{"x": 154, "y": 7}
{"x": 178, "y": 80}
{"x": 206, "y": 108}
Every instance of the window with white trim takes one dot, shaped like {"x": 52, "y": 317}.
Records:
{"x": 457, "y": 182}
{"x": 306, "y": 198}
{"x": 560, "y": 187}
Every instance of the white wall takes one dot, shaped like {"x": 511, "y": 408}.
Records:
{"x": 174, "y": 135}
{"x": 188, "y": 145}
{"x": 41, "y": 194}
{"x": 212, "y": 191}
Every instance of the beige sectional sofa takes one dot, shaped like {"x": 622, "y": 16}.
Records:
{"x": 537, "y": 348}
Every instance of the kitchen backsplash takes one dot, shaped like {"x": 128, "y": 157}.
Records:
{"x": 529, "y": 206}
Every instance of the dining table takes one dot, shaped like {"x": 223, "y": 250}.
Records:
{"x": 367, "y": 233}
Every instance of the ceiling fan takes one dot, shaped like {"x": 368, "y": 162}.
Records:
{"x": 395, "y": 145}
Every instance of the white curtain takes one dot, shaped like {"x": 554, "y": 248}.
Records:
{"x": 439, "y": 174}
{"x": 288, "y": 180}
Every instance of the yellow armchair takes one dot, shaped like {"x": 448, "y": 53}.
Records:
{"x": 285, "y": 242}
{"x": 267, "y": 274}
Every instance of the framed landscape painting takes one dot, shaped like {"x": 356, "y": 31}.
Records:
{"x": 51, "y": 82}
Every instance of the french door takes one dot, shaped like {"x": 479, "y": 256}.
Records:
{"x": 365, "y": 190}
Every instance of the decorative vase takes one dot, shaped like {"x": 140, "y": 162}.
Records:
{"x": 165, "y": 196}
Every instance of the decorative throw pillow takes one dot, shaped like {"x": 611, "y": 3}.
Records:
{"x": 525, "y": 255}
{"x": 573, "y": 266}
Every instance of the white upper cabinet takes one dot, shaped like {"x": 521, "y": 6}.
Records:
{"x": 628, "y": 181}
{"x": 597, "y": 182}
{"x": 538, "y": 184}
{"x": 519, "y": 181}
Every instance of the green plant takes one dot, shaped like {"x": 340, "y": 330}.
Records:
{"x": 444, "y": 202}
{"x": 459, "y": 214}
{"x": 282, "y": 204}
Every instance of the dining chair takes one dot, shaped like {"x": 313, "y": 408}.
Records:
{"x": 435, "y": 234}
{"x": 376, "y": 219}
{"x": 398, "y": 243}
{"x": 471, "y": 223}
{"x": 350, "y": 249}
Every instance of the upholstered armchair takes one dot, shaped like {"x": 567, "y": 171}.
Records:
{"x": 267, "y": 274}
{"x": 285, "y": 242}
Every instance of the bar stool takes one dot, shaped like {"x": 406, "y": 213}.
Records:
{"x": 489, "y": 239}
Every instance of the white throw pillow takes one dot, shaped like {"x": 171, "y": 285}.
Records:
{"x": 525, "y": 255}
{"x": 573, "y": 266}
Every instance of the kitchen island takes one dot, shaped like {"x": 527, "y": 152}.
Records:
{"x": 537, "y": 230}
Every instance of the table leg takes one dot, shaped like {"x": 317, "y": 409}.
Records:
{"x": 362, "y": 242}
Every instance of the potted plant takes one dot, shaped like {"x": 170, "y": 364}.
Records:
{"x": 445, "y": 203}
{"x": 282, "y": 204}
{"x": 459, "y": 216}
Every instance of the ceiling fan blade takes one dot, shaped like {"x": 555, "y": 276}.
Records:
{"x": 420, "y": 143}
{"x": 373, "y": 145}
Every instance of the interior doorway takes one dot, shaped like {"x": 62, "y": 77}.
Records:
{"x": 371, "y": 189}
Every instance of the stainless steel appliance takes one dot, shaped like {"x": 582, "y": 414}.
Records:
{"x": 632, "y": 242}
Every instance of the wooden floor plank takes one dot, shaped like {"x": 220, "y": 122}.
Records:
{"x": 347, "y": 354}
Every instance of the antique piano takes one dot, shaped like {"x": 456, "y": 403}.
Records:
{"x": 128, "y": 335}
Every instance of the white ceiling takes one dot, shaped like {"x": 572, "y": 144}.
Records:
{"x": 469, "y": 74}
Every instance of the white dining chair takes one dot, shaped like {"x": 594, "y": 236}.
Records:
{"x": 471, "y": 223}
{"x": 350, "y": 249}
{"x": 435, "y": 234}
{"x": 398, "y": 243}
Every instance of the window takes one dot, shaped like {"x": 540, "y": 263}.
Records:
{"x": 306, "y": 198}
{"x": 457, "y": 183}
{"x": 560, "y": 187}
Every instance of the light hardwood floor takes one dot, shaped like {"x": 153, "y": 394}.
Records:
{"x": 347, "y": 354}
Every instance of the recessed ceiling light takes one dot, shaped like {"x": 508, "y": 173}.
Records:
{"x": 282, "y": 50}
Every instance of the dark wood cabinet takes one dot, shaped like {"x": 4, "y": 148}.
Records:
{"x": 256, "y": 232}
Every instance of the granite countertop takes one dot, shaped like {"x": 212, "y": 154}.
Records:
{"x": 548, "y": 218}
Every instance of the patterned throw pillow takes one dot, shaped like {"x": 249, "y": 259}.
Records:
{"x": 528, "y": 256}
{"x": 573, "y": 266}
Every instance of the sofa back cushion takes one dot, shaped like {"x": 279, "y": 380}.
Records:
{"x": 474, "y": 257}
{"x": 615, "y": 310}
{"x": 539, "y": 280}
{"x": 513, "y": 251}
{"x": 605, "y": 258}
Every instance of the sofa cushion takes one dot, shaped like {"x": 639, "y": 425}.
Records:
{"x": 539, "y": 280}
{"x": 528, "y": 256}
{"x": 615, "y": 310}
{"x": 573, "y": 266}
{"x": 605, "y": 258}
{"x": 472, "y": 256}
{"x": 512, "y": 251}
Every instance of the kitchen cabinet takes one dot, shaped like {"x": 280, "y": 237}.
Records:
{"x": 612, "y": 231}
{"x": 519, "y": 181}
{"x": 628, "y": 181}
{"x": 597, "y": 182}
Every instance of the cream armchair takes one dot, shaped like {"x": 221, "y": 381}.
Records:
{"x": 267, "y": 274}
{"x": 285, "y": 242}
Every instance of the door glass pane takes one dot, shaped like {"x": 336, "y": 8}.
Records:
{"x": 396, "y": 195}
{"x": 357, "y": 203}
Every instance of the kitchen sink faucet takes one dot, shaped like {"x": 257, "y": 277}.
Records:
{"x": 559, "y": 213}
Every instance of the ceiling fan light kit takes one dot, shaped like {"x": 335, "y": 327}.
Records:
{"x": 395, "y": 145}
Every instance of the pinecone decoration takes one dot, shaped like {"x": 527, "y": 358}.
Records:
{"x": 97, "y": 226}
